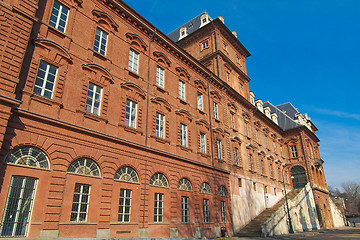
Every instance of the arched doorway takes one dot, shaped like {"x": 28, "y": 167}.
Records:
{"x": 298, "y": 175}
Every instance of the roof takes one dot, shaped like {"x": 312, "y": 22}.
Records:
{"x": 191, "y": 26}
{"x": 285, "y": 119}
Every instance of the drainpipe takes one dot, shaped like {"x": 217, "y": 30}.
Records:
{"x": 216, "y": 49}
{"x": 306, "y": 162}
{"x": 210, "y": 122}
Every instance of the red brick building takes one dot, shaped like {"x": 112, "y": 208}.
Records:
{"x": 110, "y": 129}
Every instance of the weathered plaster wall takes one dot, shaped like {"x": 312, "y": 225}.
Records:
{"x": 302, "y": 212}
{"x": 338, "y": 218}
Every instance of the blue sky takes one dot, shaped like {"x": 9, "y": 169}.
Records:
{"x": 305, "y": 52}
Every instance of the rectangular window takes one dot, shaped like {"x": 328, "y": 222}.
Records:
{"x": 133, "y": 61}
{"x": 239, "y": 182}
{"x": 160, "y": 125}
{"x": 271, "y": 170}
{"x": 200, "y": 102}
{"x": 236, "y": 155}
{"x": 294, "y": 151}
{"x": 202, "y": 142}
{"x": 206, "y": 210}
{"x": 80, "y": 204}
{"x": 218, "y": 149}
{"x": 181, "y": 90}
{"x": 124, "y": 205}
{"x": 251, "y": 163}
{"x": 185, "y": 209}
{"x": 274, "y": 145}
{"x": 254, "y": 186}
{"x": 232, "y": 120}
{"x": 17, "y": 211}
{"x": 100, "y": 41}
{"x": 228, "y": 76}
{"x": 93, "y": 100}
{"x": 131, "y": 112}
{"x": 266, "y": 142}
{"x": 279, "y": 174}
{"x": 59, "y": 16}
{"x": 265, "y": 189}
{"x": 262, "y": 167}
{"x": 160, "y": 76}
{"x": 183, "y": 135}
{"x": 215, "y": 108}
{"x": 45, "y": 80}
{"x": 257, "y": 136}
{"x": 158, "y": 207}
{"x": 205, "y": 45}
{"x": 223, "y": 211}
{"x": 246, "y": 129}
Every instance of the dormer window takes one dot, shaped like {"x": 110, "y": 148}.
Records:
{"x": 204, "y": 19}
{"x": 205, "y": 45}
{"x": 225, "y": 47}
{"x": 267, "y": 112}
{"x": 183, "y": 32}
{"x": 259, "y": 105}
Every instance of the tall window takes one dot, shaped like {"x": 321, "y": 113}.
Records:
{"x": 181, "y": 90}
{"x": 228, "y": 76}
{"x": 251, "y": 162}
{"x": 257, "y": 136}
{"x": 266, "y": 142}
{"x": 200, "y": 102}
{"x": 130, "y": 115}
{"x": 246, "y": 129}
{"x": 160, "y": 77}
{"x": 215, "y": 108}
{"x": 133, "y": 61}
{"x": 294, "y": 151}
{"x": 183, "y": 135}
{"x": 271, "y": 170}
{"x": 59, "y": 15}
{"x": 160, "y": 125}
{"x": 205, "y": 45}
{"x": 80, "y": 204}
{"x": 218, "y": 149}
{"x": 202, "y": 142}
{"x": 274, "y": 145}
{"x": 223, "y": 211}
{"x": 185, "y": 209}
{"x": 45, "y": 80}
{"x": 232, "y": 120}
{"x": 124, "y": 205}
{"x": 236, "y": 155}
{"x": 100, "y": 41}
{"x": 262, "y": 167}
{"x": 17, "y": 210}
{"x": 206, "y": 210}
{"x": 93, "y": 100}
{"x": 158, "y": 207}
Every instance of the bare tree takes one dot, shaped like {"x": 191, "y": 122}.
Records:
{"x": 351, "y": 194}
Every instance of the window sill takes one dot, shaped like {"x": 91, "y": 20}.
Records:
{"x": 124, "y": 223}
{"x": 133, "y": 74}
{"x": 56, "y": 31}
{"x": 92, "y": 116}
{"x": 205, "y": 155}
{"x": 183, "y": 101}
{"x": 161, "y": 140}
{"x": 158, "y": 223}
{"x": 160, "y": 89}
{"x": 77, "y": 223}
{"x": 217, "y": 120}
{"x": 220, "y": 160}
{"x": 234, "y": 130}
{"x": 45, "y": 100}
{"x": 238, "y": 166}
{"x": 130, "y": 129}
{"x": 99, "y": 55}
{"x": 187, "y": 149}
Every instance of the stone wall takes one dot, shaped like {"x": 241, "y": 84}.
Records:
{"x": 338, "y": 218}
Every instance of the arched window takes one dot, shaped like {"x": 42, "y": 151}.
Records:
{"x": 298, "y": 175}
{"x": 222, "y": 191}
{"x": 28, "y": 156}
{"x": 84, "y": 166}
{"x": 126, "y": 174}
{"x": 205, "y": 188}
{"x": 184, "y": 185}
{"x": 159, "y": 180}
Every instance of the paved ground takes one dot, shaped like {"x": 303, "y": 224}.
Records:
{"x": 332, "y": 234}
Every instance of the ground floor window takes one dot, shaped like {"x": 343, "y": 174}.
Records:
{"x": 18, "y": 207}
{"x": 124, "y": 205}
{"x": 223, "y": 211}
{"x": 158, "y": 207}
{"x": 80, "y": 204}
{"x": 206, "y": 210}
{"x": 184, "y": 209}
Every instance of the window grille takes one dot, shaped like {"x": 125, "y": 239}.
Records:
{"x": 45, "y": 80}
{"x": 158, "y": 207}
{"x": 124, "y": 205}
{"x": 80, "y": 204}
{"x": 59, "y": 16}
{"x": 126, "y": 174}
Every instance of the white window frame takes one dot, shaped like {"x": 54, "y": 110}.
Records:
{"x": 83, "y": 200}
{"x": 200, "y": 101}
{"x": 56, "y": 23}
{"x": 182, "y": 87}
{"x": 218, "y": 149}
{"x": 232, "y": 120}
{"x": 134, "y": 61}
{"x": 160, "y": 125}
{"x": 203, "y": 143}
{"x": 185, "y": 217}
{"x": 205, "y": 44}
{"x": 94, "y": 96}
{"x": 158, "y": 207}
{"x": 228, "y": 76}
{"x": 44, "y": 86}
{"x": 236, "y": 155}
{"x": 124, "y": 205}
{"x": 24, "y": 204}
{"x": 183, "y": 135}
{"x": 251, "y": 161}
{"x": 130, "y": 113}
{"x": 294, "y": 152}
{"x": 216, "y": 110}
{"x": 223, "y": 211}
{"x": 100, "y": 45}
{"x": 160, "y": 77}
{"x": 206, "y": 212}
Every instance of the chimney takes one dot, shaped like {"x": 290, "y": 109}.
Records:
{"x": 222, "y": 19}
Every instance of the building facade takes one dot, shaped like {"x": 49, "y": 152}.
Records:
{"x": 111, "y": 129}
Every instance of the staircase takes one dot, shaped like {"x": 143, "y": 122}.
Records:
{"x": 253, "y": 228}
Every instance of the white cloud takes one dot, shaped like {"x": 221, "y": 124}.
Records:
{"x": 336, "y": 113}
